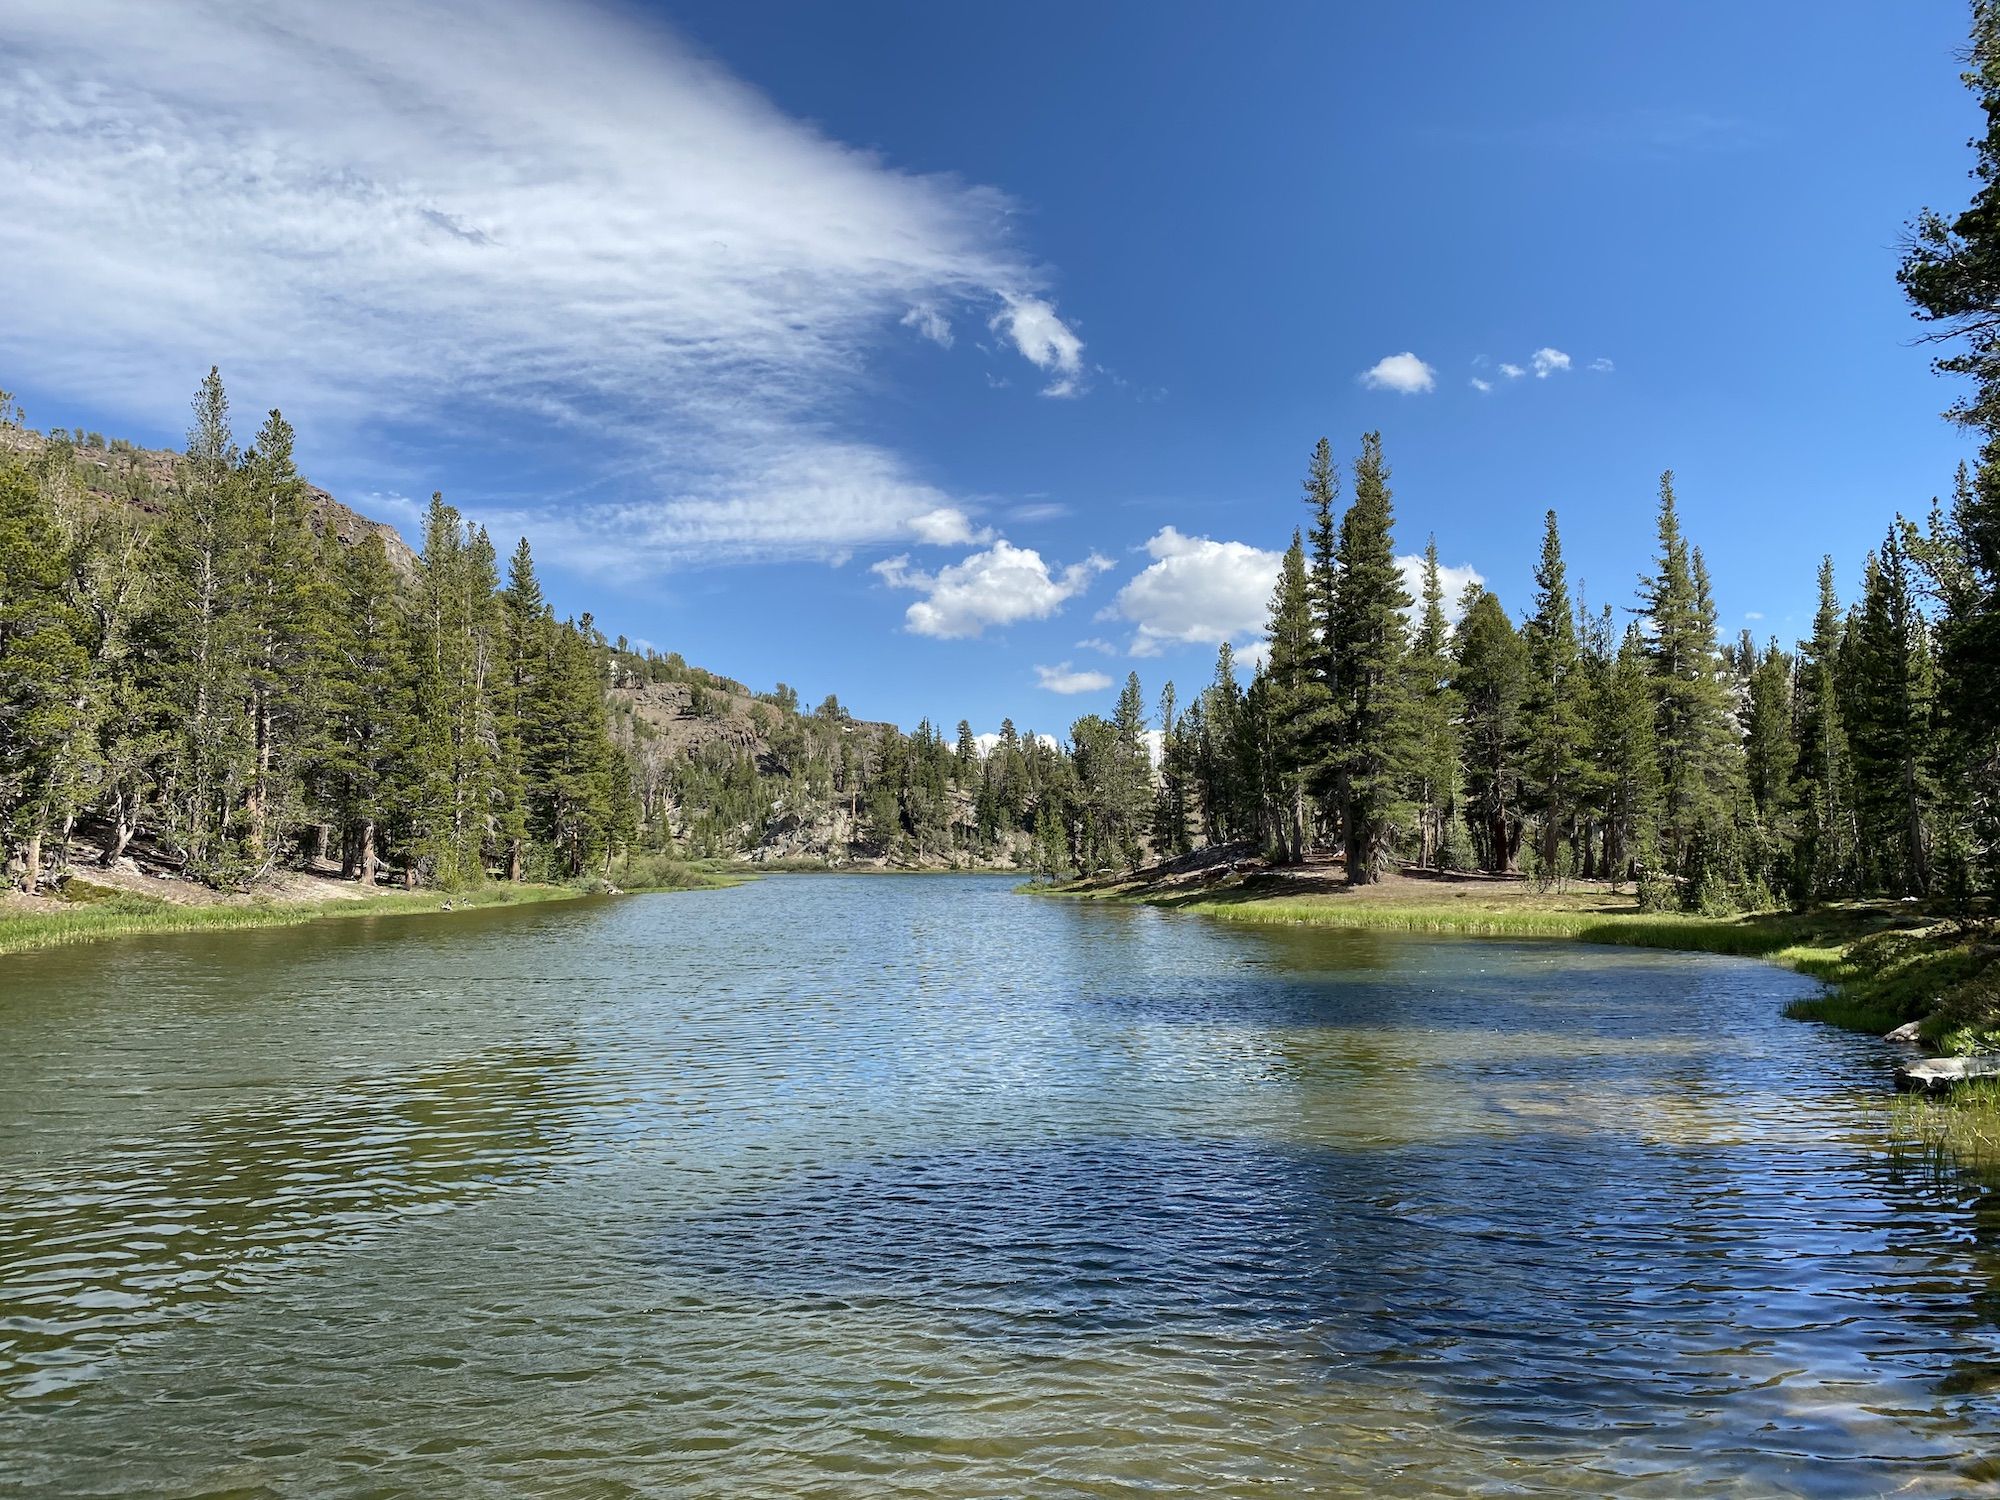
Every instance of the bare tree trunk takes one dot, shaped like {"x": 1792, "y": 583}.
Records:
{"x": 367, "y": 860}
{"x": 31, "y": 859}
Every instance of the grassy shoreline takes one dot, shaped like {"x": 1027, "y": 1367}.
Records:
{"x": 1883, "y": 963}
{"x": 122, "y": 915}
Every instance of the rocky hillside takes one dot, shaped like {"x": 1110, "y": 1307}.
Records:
{"x": 121, "y": 473}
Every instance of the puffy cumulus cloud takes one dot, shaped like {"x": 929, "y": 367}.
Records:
{"x": 999, "y": 586}
{"x": 1045, "y": 341}
{"x": 1197, "y": 591}
{"x": 1454, "y": 581}
{"x": 1546, "y": 362}
{"x": 1062, "y": 678}
{"x": 556, "y": 222}
{"x": 1400, "y": 372}
{"x": 1512, "y": 372}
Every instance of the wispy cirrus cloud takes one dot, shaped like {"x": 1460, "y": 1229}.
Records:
{"x": 506, "y": 216}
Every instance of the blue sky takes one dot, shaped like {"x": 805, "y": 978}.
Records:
{"x": 945, "y": 358}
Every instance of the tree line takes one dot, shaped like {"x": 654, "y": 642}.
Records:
{"x": 242, "y": 690}
{"x": 1715, "y": 774}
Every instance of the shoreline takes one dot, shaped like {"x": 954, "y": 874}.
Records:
{"x": 1883, "y": 964}
{"x": 112, "y": 912}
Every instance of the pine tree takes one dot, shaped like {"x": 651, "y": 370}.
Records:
{"x": 1892, "y": 693}
{"x": 368, "y": 703}
{"x": 198, "y": 640}
{"x": 1692, "y": 733}
{"x": 1171, "y": 803}
{"x": 1298, "y": 700}
{"x": 1434, "y": 720}
{"x": 1218, "y": 774}
{"x": 520, "y": 713}
{"x": 285, "y": 625}
{"x": 41, "y": 660}
{"x": 1951, "y": 274}
{"x": 1553, "y": 752}
{"x": 451, "y": 747}
{"x": 1624, "y": 744}
{"x": 1370, "y": 674}
{"x": 1770, "y": 757}
{"x": 1490, "y": 678}
{"x": 1133, "y": 772}
{"x": 1320, "y": 735}
{"x": 1823, "y": 857}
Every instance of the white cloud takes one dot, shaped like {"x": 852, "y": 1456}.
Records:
{"x": 947, "y": 526}
{"x": 1400, "y": 372}
{"x": 930, "y": 323}
{"x": 1100, "y": 646}
{"x": 1753, "y": 614}
{"x": 1197, "y": 591}
{"x": 538, "y": 218}
{"x": 1547, "y": 362}
{"x": 1045, "y": 341}
{"x": 1453, "y": 580}
{"x": 1061, "y": 679}
{"x": 1602, "y": 365}
{"x": 999, "y": 586}
{"x": 1044, "y": 510}
{"x": 1481, "y": 385}
{"x": 1512, "y": 372}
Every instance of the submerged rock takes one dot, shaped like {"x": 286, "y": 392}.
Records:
{"x": 1939, "y": 1075}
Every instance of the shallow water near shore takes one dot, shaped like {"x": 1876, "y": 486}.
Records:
{"x": 834, "y": 1187}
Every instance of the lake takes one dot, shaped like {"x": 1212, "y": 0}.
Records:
{"x": 845, "y": 1186}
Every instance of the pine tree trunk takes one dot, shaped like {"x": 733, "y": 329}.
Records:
{"x": 121, "y": 831}
{"x": 31, "y": 859}
{"x": 367, "y": 859}
{"x": 514, "y": 860}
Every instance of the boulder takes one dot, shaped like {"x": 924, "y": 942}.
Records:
{"x": 1939, "y": 1075}
{"x": 1907, "y": 1032}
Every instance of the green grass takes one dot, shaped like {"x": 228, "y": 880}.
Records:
{"x": 1813, "y": 942}
{"x": 1961, "y": 1131}
{"x": 133, "y": 916}
{"x": 664, "y": 872}
{"x": 98, "y": 912}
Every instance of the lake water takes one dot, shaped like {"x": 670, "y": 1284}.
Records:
{"x": 864, "y": 1187}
